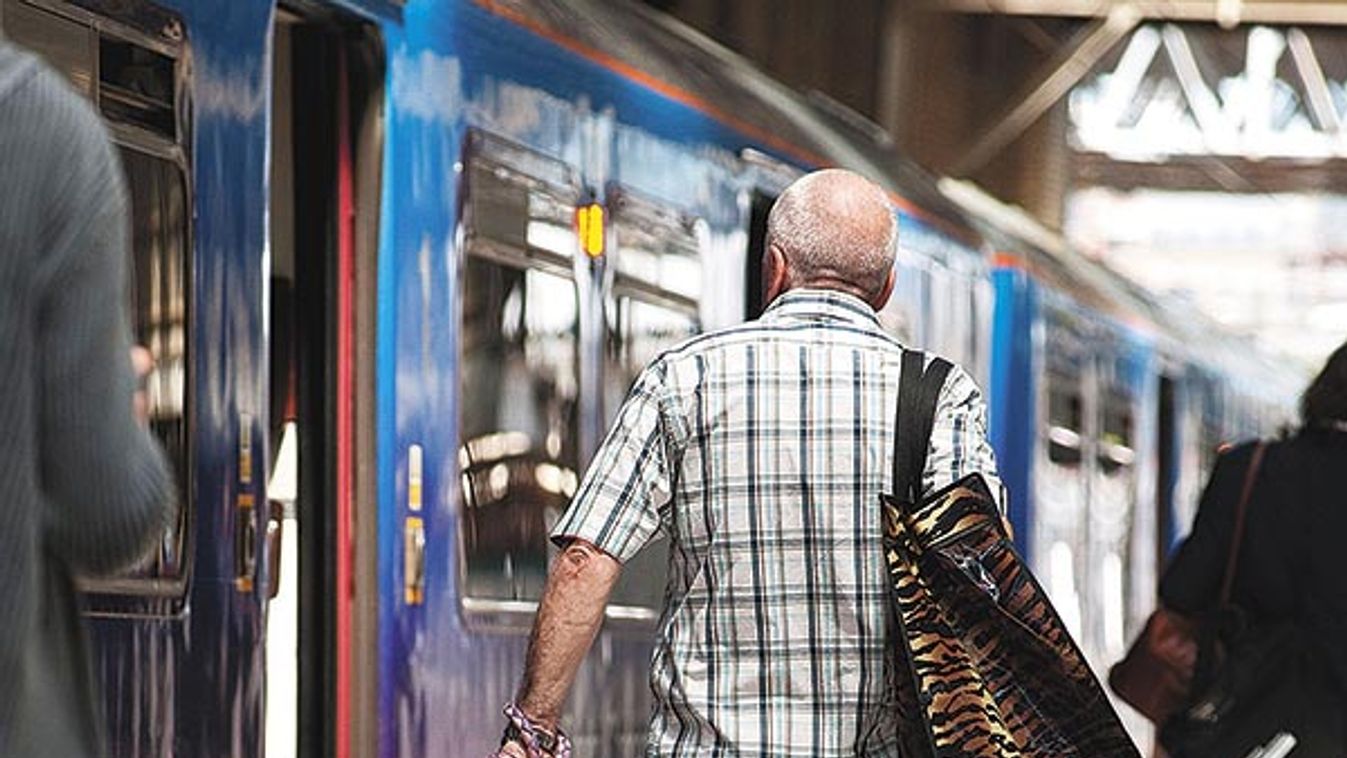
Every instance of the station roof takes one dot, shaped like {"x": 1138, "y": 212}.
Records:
{"x": 1225, "y": 12}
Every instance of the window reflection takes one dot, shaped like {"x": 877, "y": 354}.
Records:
{"x": 518, "y": 423}
{"x": 637, "y": 332}
{"x": 1066, "y": 417}
{"x": 67, "y": 45}
{"x": 1116, "y": 452}
{"x": 159, "y": 307}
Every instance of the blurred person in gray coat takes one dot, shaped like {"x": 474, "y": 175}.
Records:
{"x": 84, "y": 488}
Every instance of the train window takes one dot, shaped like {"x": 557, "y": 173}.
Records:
{"x": 136, "y": 86}
{"x": 983, "y": 307}
{"x": 519, "y": 379}
{"x": 1065, "y": 419}
{"x": 159, "y": 224}
{"x": 904, "y": 315}
{"x": 159, "y": 306}
{"x": 638, "y": 330}
{"x": 67, "y": 45}
{"x": 952, "y": 310}
{"x": 518, "y": 422}
{"x": 653, "y": 302}
{"x": 652, "y": 306}
{"x": 1116, "y": 449}
{"x": 658, "y": 249}
{"x": 520, "y": 204}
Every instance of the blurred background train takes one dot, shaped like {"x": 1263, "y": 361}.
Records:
{"x": 398, "y": 263}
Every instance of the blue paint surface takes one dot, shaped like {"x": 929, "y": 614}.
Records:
{"x": 186, "y": 677}
{"x": 1012, "y": 398}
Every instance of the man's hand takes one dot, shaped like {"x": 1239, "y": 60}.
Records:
{"x": 142, "y": 363}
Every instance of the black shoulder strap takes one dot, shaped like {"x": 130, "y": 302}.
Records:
{"x": 918, "y": 395}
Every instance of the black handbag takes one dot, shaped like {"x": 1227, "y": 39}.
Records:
{"x": 987, "y": 668}
{"x": 1258, "y": 691}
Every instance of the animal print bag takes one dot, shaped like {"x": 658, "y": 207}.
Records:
{"x": 988, "y": 668}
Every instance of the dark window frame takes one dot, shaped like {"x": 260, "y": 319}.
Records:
{"x": 1116, "y": 447}
{"x": 1062, "y": 450}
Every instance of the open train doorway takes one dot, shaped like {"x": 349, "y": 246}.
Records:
{"x": 326, "y": 146}
{"x": 1167, "y": 472}
{"x": 759, "y": 210}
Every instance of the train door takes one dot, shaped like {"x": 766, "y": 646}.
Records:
{"x": 321, "y": 625}
{"x": 760, "y": 206}
{"x": 1112, "y": 519}
{"x": 1061, "y": 487}
{"x": 768, "y": 178}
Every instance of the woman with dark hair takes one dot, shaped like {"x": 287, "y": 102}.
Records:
{"x": 1289, "y": 569}
{"x": 1324, "y": 404}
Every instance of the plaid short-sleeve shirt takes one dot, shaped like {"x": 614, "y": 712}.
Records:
{"x": 761, "y": 450}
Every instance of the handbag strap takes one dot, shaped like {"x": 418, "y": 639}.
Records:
{"x": 919, "y": 388}
{"x": 1236, "y": 539}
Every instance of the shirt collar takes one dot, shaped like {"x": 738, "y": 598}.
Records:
{"x": 822, "y": 305}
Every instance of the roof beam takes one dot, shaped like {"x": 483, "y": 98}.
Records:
{"x": 1062, "y": 73}
{"x": 1205, "y": 173}
{"x": 1316, "y": 84}
{"x": 1225, "y": 12}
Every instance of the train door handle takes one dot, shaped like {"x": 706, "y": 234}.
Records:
{"x": 275, "y": 531}
{"x": 414, "y": 561}
{"x": 245, "y": 544}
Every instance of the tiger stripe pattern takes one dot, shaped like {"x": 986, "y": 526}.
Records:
{"x": 991, "y": 665}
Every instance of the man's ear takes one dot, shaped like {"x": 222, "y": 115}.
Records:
{"x": 775, "y": 274}
{"x": 882, "y": 297}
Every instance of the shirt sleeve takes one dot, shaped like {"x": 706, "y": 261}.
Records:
{"x": 619, "y": 504}
{"x": 959, "y": 444}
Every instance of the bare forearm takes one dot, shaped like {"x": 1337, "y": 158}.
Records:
{"x": 569, "y": 616}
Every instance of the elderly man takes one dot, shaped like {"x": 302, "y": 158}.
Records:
{"x": 761, "y": 450}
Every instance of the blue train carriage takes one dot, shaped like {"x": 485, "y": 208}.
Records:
{"x": 1107, "y": 412}
{"x": 398, "y": 265}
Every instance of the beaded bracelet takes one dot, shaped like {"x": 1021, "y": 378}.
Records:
{"x": 538, "y": 741}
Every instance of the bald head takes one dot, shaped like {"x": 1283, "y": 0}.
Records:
{"x": 832, "y": 229}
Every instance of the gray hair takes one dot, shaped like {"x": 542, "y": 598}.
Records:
{"x": 835, "y": 226}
